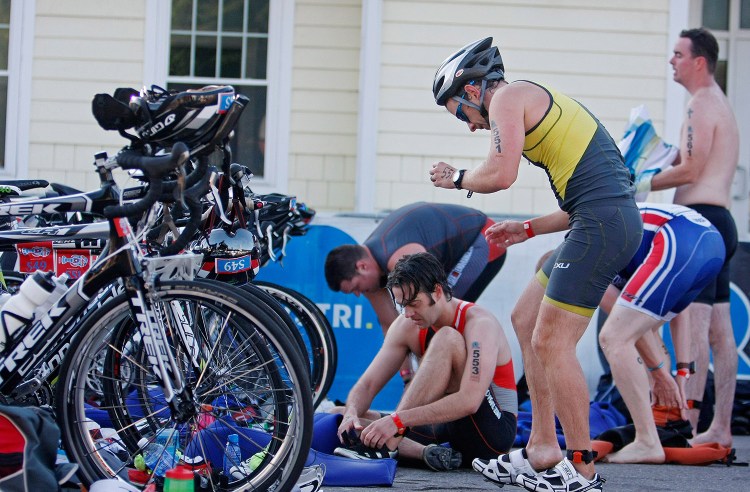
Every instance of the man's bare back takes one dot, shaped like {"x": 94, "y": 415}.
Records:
{"x": 709, "y": 117}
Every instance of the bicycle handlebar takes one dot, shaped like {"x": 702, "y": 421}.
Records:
{"x": 154, "y": 168}
{"x": 193, "y": 201}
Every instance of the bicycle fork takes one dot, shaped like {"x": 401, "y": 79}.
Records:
{"x": 160, "y": 354}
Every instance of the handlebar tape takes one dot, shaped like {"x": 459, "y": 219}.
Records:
{"x": 154, "y": 168}
{"x": 195, "y": 207}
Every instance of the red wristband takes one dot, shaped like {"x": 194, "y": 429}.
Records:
{"x": 401, "y": 428}
{"x": 685, "y": 373}
{"x": 528, "y": 229}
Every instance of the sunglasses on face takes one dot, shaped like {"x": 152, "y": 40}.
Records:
{"x": 460, "y": 113}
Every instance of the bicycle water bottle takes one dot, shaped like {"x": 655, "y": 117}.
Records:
{"x": 18, "y": 310}
{"x": 232, "y": 454}
{"x": 60, "y": 288}
{"x": 179, "y": 479}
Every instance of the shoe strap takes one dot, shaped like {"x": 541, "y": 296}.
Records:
{"x": 520, "y": 462}
{"x": 581, "y": 455}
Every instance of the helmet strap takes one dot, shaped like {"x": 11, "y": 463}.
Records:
{"x": 483, "y": 111}
{"x": 479, "y": 107}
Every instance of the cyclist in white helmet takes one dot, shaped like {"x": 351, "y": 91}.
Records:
{"x": 591, "y": 183}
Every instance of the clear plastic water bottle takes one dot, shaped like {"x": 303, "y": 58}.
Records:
{"x": 232, "y": 454}
{"x": 18, "y": 310}
{"x": 168, "y": 439}
{"x": 160, "y": 455}
{"x": 151, "y": 452}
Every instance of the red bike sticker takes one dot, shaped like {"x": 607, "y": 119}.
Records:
{"x": 122, "y": 226}
{"x": 35, "y": 256}
{"x": 74, "y": 262}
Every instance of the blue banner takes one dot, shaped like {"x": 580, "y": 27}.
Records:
{"x": 358, "y": 333}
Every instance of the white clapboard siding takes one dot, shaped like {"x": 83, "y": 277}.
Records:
{"x": 81, "y": 48}
{"x": 325, "y": 101}
{"x": 608, "y": 54}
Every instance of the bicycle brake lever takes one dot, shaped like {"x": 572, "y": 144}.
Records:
{"x": 257, "y": 222}
{"x": 269, "y": 240}
{"x": 219, "y": 210}
{"x": 179, "y": 190}
{"x": 286, "y": 236}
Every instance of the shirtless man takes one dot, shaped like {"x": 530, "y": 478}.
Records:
{"x": 702, "y": 176}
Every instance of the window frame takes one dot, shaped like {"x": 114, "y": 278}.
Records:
{"x": 17, "y": 122}
{"x": 278, "y": 73}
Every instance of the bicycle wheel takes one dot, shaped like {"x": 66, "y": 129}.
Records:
{"x": 317, "y": 333}
{"x": 13, "y": 280}
{"x": 244, "y": 372}
{"x": 258, "y": 295}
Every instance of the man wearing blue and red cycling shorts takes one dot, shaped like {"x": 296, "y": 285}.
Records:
{"x": 681, "y": 252}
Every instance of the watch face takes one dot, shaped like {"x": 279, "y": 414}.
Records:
{"x": 456, "y": 175}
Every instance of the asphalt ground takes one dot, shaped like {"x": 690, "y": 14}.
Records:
{"x": 713, "y": 478}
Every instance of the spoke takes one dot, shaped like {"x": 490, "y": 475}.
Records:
{"x": 213, "y": 349}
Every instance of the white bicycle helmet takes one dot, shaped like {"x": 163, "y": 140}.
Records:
{"x": 475, "y": 61}
{"x": 190, "y": 116}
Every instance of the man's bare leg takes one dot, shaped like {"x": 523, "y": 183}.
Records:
{"x": 439, "y": 373}
{"x": 697, "y": 320}
{"x": 554, "y": 341}
{"x": 542, "y": 449}
{"x": 618, "y": 338}
{"x": 724, "y": 348}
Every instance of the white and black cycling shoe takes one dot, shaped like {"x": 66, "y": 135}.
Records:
{"x": 441, "y": 458}
{"x": 361, "y": 452}
{"x": 311, "y": 479}
{"x": 563, "y": 477}
{"x": 504, "y": 469}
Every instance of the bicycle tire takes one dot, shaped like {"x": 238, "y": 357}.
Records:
{"x": 261, "y": 296}
{"x": 13, "y": 280}
{"x": 272, "y": 384}
{"x": 321, "y": 341}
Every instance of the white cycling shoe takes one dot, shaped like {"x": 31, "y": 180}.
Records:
{"x": 563, "y": 477}
{"x": 505, "y": 469}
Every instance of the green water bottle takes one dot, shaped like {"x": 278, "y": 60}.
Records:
{"x": 179, "y": 479}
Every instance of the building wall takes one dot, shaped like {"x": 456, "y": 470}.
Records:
{"x": 608, "y": 54}
{"x": 325, "y": 80}
{"x": 81, "y": 48}
{"x": 611, "y": 55}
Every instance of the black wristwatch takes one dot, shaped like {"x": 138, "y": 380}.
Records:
{"x": 458, "y": 177}
{"x": 690, "y": 366}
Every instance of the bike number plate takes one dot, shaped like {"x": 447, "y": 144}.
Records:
{"x": 74, "y": 262}
{"x": 235, "y": 265}
{"x": 35, "y": 256}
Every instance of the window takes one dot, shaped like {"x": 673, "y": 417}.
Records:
{"x": 225, "y": 42}
{"x": 716, "y": 15}
{"x": 4, "y": 44}
{"x": 745, "y": 14}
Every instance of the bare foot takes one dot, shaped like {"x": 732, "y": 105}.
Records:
{"x": 725, "y": 439}
{"x": 637, "y": 452}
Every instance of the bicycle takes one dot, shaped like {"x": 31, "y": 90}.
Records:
{"x": 167, "y": 313}
{"x": 275, "y": 218}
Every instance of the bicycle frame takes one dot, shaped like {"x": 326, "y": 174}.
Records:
{"x": 50, "y": 332}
